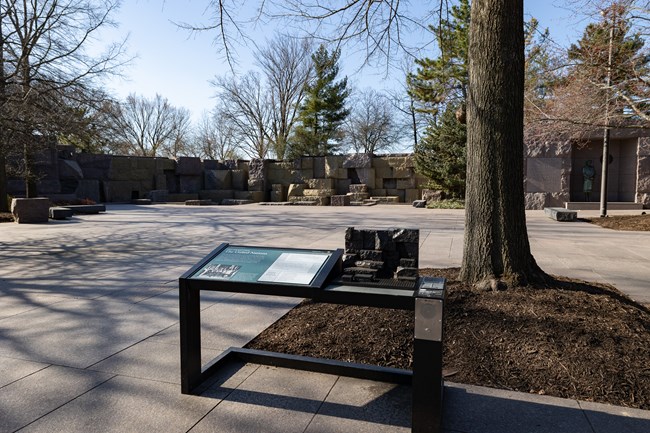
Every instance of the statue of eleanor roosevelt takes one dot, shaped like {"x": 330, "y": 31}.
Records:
{"x": 588, "y": 175}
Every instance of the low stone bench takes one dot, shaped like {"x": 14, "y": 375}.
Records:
{"x": 234, "y": 202}
{"x": 86, "y": 208}
{"x": 60, "y": 213}
{"x": 560, "y": 213}
{"x": 206, "y": 202}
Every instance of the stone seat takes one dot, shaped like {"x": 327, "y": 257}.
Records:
{"x": 60, "y": 213}
{"x": 86, "y": 208}
{"x": 560, "y": 213}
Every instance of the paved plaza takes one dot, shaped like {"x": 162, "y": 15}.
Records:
{"x": 89, "y": 333}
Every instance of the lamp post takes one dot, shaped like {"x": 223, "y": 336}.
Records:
{"x": 605, "y": 158}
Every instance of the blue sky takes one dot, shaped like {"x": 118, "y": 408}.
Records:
{"x": 179, "y": 65}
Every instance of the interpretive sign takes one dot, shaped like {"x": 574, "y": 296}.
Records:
{"x": 264, "y": 265}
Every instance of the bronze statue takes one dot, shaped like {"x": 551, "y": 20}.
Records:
{"x": 588, "y": 175}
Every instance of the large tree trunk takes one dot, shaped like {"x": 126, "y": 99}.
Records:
{"x": 496, "y": 245}
{"x": 4, "y": 204}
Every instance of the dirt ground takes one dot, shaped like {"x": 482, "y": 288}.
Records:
{"x": 623, "y": 222}
{"x": 572, "y": 339}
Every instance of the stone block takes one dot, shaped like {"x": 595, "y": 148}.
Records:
{"x": 341, "y": 173}
{"x": 205, "y": 202}
{"x": 432, "y": 195}
{"x": 165, "y": 164}
{"x": 357, "y": 160}
{"x": 230, "y": 202}
{"x": 386, "y": 199}
{"x": 243, "y": 195}
{"x": 342, "y": 186}
{"x": 301, "y": 176}
{"x": 644, "y": 146}
{"x": 408, "y": 263}
{"x": 353, "y": 240}
{"x": 543, "y": 175}
{"x": 30, "y": 210}
{"x": 379, "y": 182}
{"x": 278, "y": 197}
{"x": 371, "y": 255}
{"x": 232, "y": 164}
{"x": 411, "y": 195}
{"x": 314, "y": 201}
{"x": 403, "y": 172}
{"x": 256, "y": 184}
{"x": 48, "y": 186}
{"x": 535, "y": 200}
{"x": 358, "y": 187}
{"x": 216, "y": 195}
{"x": 86, "y": 209}
{"x": 189, "y": 166}
{"x": 70, "y": 169}
{"x": 390, "y": 183}
{"x": 377, "y": 192}
{"x": 181, "y": 198}
{"x": 158, "y": 195}
{"x": 257, "y": 168}
{"x": 384, "y": 240}
{"x": 296, "y": 189}
{"x": 60, "y": 213}
{"x": 239, "y": 180}
{"x": 211, "y": 164}
{"x": 547, "y": 149}
{"x": 406, "y": 235}
{"x": 120, "y": 190}
{"x": 318, "y": 192}
{"x": 367, "y": 176}
{"x": 406, "y": 273}
{"x": 384, "y": 172}
{"x": 160, "y": 181}
{"x": 332, "y": 166}
{"x": 406, "y": 183}
{"x": 340, "y": 200}
{"x": 320, "y": 183}
{"x": 560, "y": 214}
{"x": 258, "y": 196}
{"x": 318, "y": 166}
{"x": 358, "y": 196}
{"x": 408, "y": 250}
{"x": 396, "y": 193}
{"x": 218, "y": 179}
{"x": 190, "y": 184}
{"x": 88, "y": 188}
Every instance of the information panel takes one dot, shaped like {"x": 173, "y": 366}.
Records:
{"x": 264, "y": 265}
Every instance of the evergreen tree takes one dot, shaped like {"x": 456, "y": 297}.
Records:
{"x": 440, "y": 155}
{"x": 441, "y": 81}
{"x": 323, "y": 109}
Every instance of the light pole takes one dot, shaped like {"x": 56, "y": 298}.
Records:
{"x": 605, "y": 158}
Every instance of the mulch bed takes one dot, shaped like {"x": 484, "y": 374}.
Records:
{"x": 623, "y": 222}
{"x": 574, "y": 340}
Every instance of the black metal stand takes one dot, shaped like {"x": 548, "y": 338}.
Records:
{"x": 426, "y": 378}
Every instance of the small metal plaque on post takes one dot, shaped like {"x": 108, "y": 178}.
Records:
{"x": 428, "y": 319}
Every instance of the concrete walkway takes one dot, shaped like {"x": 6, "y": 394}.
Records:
{"x": 89, "y": 325}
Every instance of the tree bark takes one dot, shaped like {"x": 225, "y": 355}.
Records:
{"x": 4, "y": 203}
{"x": 496, "y": 248}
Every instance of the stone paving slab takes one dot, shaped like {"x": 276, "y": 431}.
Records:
{"x": 125, "y": 404}
{"x": 79, "y": 333}
{"x": 34, "y": 396}
{"x": 12, "y": 369}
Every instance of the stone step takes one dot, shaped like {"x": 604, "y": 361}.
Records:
{"x": 86, "y": 208}
{"x": 206, "y": 202}
{"x": 233, "y": 201}
{"x": 60, "y": 213}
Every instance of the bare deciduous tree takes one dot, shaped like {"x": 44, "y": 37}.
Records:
{"x": 248, "y": 107}
{"x": 216, "y": 136}
{"x": 286, "y": 63}
{"x": 151, "y": 127}
{"x": 371, "y": 127}
{"x": 44, "y": 62}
